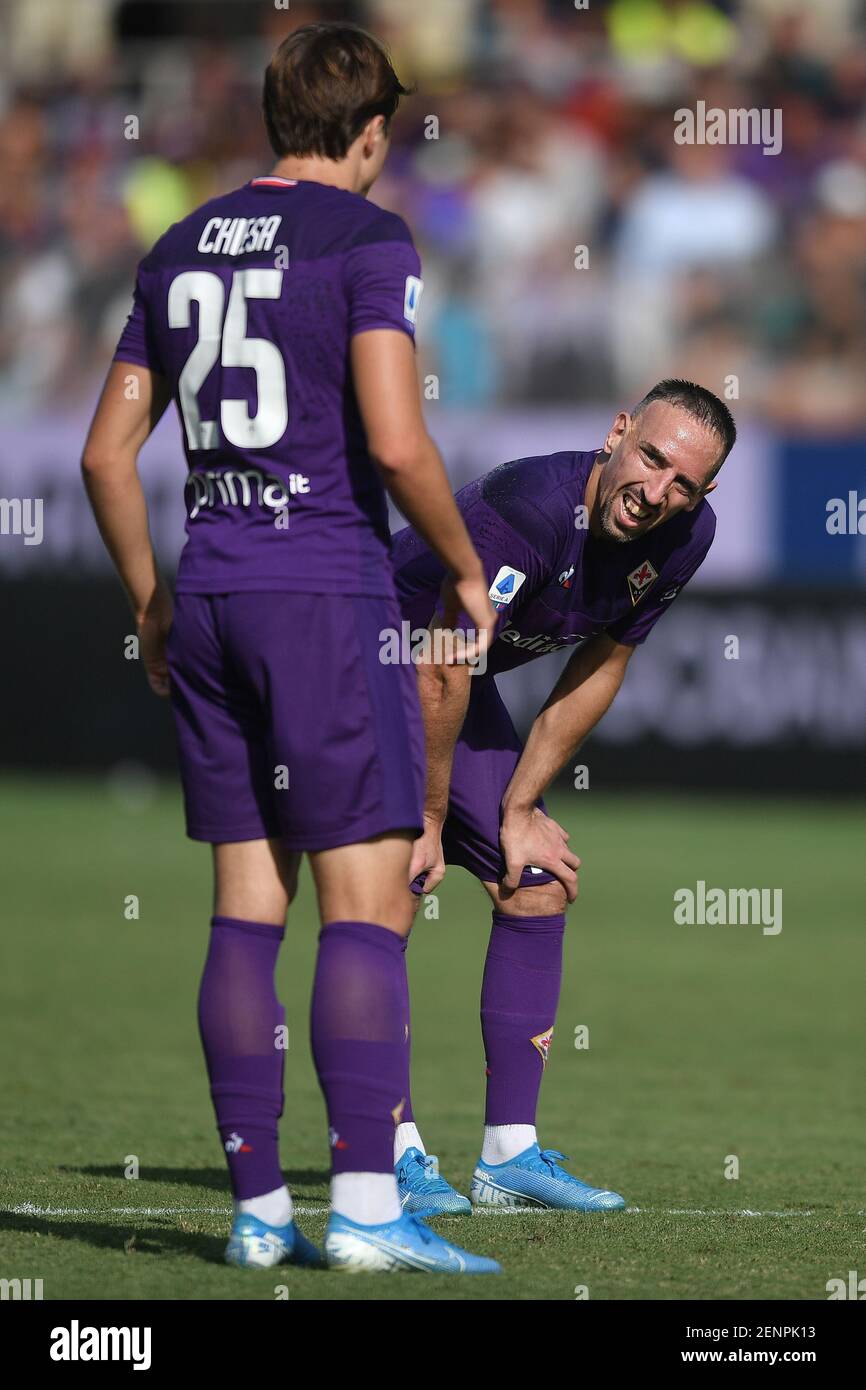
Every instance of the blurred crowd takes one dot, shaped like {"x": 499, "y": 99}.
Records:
{"x": 573, "y": 251}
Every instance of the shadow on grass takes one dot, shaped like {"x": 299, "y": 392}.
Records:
{"x": 215, "y": 1179}
{"x": 159, "y": 1237}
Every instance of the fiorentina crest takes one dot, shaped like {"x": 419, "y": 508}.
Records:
{"x": 640, "y": 580}
{"x": 542, "y": 1042}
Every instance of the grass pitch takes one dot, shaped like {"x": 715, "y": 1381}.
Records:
{"x": 706, "y": 1043}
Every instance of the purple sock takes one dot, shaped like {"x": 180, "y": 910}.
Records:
{"x": 238, "y": 1017}
{"x": 358, "y": 1030}
{"x": 519, "y": 995}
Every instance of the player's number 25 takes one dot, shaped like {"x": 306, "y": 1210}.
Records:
{"x": 226, "y": 341}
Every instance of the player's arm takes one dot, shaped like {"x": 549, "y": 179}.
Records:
{"x": 583, "y": 693}
{"x": 389, "y": 399}
{"x": 109, "y": 467}
{"x": 443, "y": 690}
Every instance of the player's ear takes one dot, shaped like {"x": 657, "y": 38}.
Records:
{"x": 374, "y": 131}
{"x": 617, "y": 431}
{"x": 710, "y": 487}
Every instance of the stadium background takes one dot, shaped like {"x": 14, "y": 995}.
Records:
{"x": 744, "y": 271}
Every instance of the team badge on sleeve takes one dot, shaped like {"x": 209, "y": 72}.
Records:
{"x": 412, "y": 295}
{"x": 640, "y": 580}
{"x": 505, "y": 586}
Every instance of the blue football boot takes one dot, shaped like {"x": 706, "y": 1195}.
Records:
{"x": 394, "y": 1246}
{"x": 534, "y": 1179}
{"x": 423, "y": 1192}
{"x": 254, "y": 1245}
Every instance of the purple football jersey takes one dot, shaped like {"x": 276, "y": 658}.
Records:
{"x": 552, "y": 582}
{"x": 247, "y": 307}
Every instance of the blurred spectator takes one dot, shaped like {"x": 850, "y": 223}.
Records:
{"x": 572, "y": 248}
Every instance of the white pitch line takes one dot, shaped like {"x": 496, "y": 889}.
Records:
{"x": 644, "y": 1211}
{"x": 716, "y": 1211}
{"x": 31, "y": 1209}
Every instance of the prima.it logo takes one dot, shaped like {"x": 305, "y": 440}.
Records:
{"x": 231, "y": 487}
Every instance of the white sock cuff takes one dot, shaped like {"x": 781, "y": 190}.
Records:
{"x": 274, "y": 1208}
{"x": 503, "y": 1142}
{"x": 368, "y": 1198}
{"x": 406, "y": 1136}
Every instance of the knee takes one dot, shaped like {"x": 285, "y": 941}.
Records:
{"x": 541, "y": 900}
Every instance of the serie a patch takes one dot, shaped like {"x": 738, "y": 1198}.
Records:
{"x": 505, "y": 586}
{"x": 640, "y": 580}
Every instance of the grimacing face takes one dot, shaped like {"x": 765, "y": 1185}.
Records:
{"x": 659, "y": 462}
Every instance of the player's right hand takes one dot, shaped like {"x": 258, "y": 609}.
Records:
{"x": 153, "y": 630}
{"x": 470, "y": 596}
{"x": 533, "y": 838}
{"x": 427, "y": 856}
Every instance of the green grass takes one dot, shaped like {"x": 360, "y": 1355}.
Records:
{"x": 704, "y": 1042}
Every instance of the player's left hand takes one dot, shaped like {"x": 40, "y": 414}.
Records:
{"x": 531, "y": 837}
{"x": 153, "y": 630}
{"x": 427, "y": 856}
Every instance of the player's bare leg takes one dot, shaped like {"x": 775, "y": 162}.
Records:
{"x": 366, "y": 882}
{"x": 255, "y": 880}
{"x": 519, "y": 998}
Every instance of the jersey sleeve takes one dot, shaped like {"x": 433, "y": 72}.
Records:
{"x": 138, "y": 341}
{"x": 514, "y": 568}
{"x": 635, "y": 628}
{"x": 382, "y": 277}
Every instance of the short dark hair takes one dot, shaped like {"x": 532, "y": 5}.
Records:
{"x": 322, "y": 86}
{"x": 701, "y": 404}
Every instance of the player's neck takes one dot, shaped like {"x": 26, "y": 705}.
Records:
{"x": 590, "y": 496}
{"x": 336, "y": 173}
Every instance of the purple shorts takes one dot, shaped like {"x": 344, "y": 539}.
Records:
{"x": 485, "y": 756}
{"x": 288, "y": 723}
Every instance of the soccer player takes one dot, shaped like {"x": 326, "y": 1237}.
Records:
{"x": 581, "y": 550}
{"x": 280, "y": 318}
